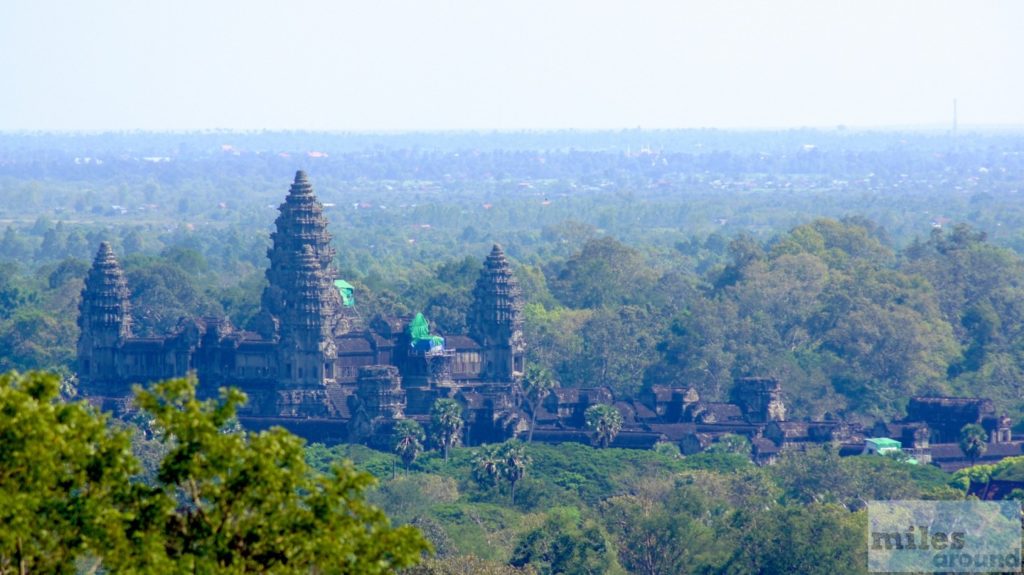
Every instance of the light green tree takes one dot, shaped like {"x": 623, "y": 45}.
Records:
{"x": 65, "y": 492}
{"x": 604, "y": 421}
{"x": 221, "y": 500}
{"x": 236, "y": 502}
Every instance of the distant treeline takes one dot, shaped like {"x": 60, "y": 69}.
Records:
{"x": 857, "y": 267}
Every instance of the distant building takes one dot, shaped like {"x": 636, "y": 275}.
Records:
{"x": 311, "y": 363}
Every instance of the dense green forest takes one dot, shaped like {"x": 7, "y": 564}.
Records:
{"x": 178, "y": 487}
{"x": 859, "y": 268}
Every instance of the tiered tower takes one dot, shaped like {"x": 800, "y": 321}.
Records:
{"x": 300, "y": 223}
{"x": 379, "y": 402}
{"x": 380, "y": 393}
{"x": 496, "y": 318}
{"x": 307, "y": 349}
{"x": 304, "y": 309}
{"x": 760, "y": 398}
{"x": 105, "y": 322}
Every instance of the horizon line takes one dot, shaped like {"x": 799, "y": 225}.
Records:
{"x": 921, "y": 128}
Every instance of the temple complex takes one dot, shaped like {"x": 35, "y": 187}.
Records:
{"x": 310, "y": 363}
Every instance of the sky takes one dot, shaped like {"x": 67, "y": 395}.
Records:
{"x": 388, "y": 65}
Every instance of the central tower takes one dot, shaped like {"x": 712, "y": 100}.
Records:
{"x": 496, "y": 318}
{"x": 304, "y": 308}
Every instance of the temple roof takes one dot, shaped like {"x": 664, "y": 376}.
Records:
{"x": 105, "y": 302}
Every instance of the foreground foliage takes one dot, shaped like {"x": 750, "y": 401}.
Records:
{"x": 582, "y": 509}
{"x": 222, "y": 501}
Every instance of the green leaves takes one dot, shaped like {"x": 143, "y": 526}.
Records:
{"x": 223, "y": 501}
{"x": 409, "y": 438}
{"x": 446, "y": 424}
{"x": 506, "y": 461}
{"x": 64, "y": 478}
{"x": 604, "y": 421}
{"x": 973, "y": 441}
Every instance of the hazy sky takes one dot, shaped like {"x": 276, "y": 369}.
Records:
{"x": 516, "y": 64}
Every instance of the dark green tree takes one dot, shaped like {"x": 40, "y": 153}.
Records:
{"x": 513, "y": 464}
{"x": 537, "y": 383}
{"x": 973, "y": 441}
{"x": 567, "y": 544}
{"x": 487, "y": 465}
{"x": 409, "y": 438}
{"x": 446, "y": 424}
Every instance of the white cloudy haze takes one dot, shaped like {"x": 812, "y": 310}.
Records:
{"x": 475, "y": 64}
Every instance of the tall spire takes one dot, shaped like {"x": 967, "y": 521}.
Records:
{"x": 497, "y": 298}
{"x": 300, "y": 224}
{"x": 104, "y": 317}
{"x": 105, "y": 305}
{"x": 306, "y": 318}
{"x": 496, "y": 316}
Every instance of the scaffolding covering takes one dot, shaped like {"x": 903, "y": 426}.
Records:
{"x": 419, "y": 335}
{"x": 347, "y": 292}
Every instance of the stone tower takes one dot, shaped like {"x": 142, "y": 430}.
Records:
{"x": 306, "y": 349}
{"x": 496, "y": 319}
{"x": 760, "y": 398}
{"x": 379, "y": 402}
{"x": 301, "y": 307}
{"x": 380, "y": 393}
{"x": 300, "y": 224}
{"x": 104, "y": 320}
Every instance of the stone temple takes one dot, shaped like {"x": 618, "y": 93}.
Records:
{"x": 310, "y": 362}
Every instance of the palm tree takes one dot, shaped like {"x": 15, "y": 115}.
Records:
{"x": 605, "y": 421}
{"x": 538, "y": 382}
{"x": 446, "y": 424}
{"x": 972, "y": 441}
{"x": 514, "y": 462}
{"x": 487, "y": 465}
{"x": 409, "y": 441}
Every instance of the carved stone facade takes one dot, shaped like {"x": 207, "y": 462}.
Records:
{"x": 496, "y": 318}
{"x": 311, "y": 364}
{"x": 308, "y": 358}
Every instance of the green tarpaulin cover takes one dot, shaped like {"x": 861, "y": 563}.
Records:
{"x": 347, "y": 292}
{"x": 419, "y": 333}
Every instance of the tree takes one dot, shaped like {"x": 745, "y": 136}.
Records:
{"x": 64, "y": 473}
{"x": 604, "y": 421}
{"x": 657, "y": 536}
{"x": 788, "y": 539}
{"x": 568, "y": 544}
{"x": 409, "y": 441}
{"x": 605, "y": 272}
{"x": 514, "y": 462}
{"x": 486, "y": 465}
{"x": 235, "y": 501}
{"x": 972, "y": 441}
{"x": 537, "y": 383}
{"x": 731, "y": 443}
{"x": 446, "y": 424}
{"x": 222, "y": 500}
{"x": 465, "y": 565}
{"x": 618, "y": 346}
